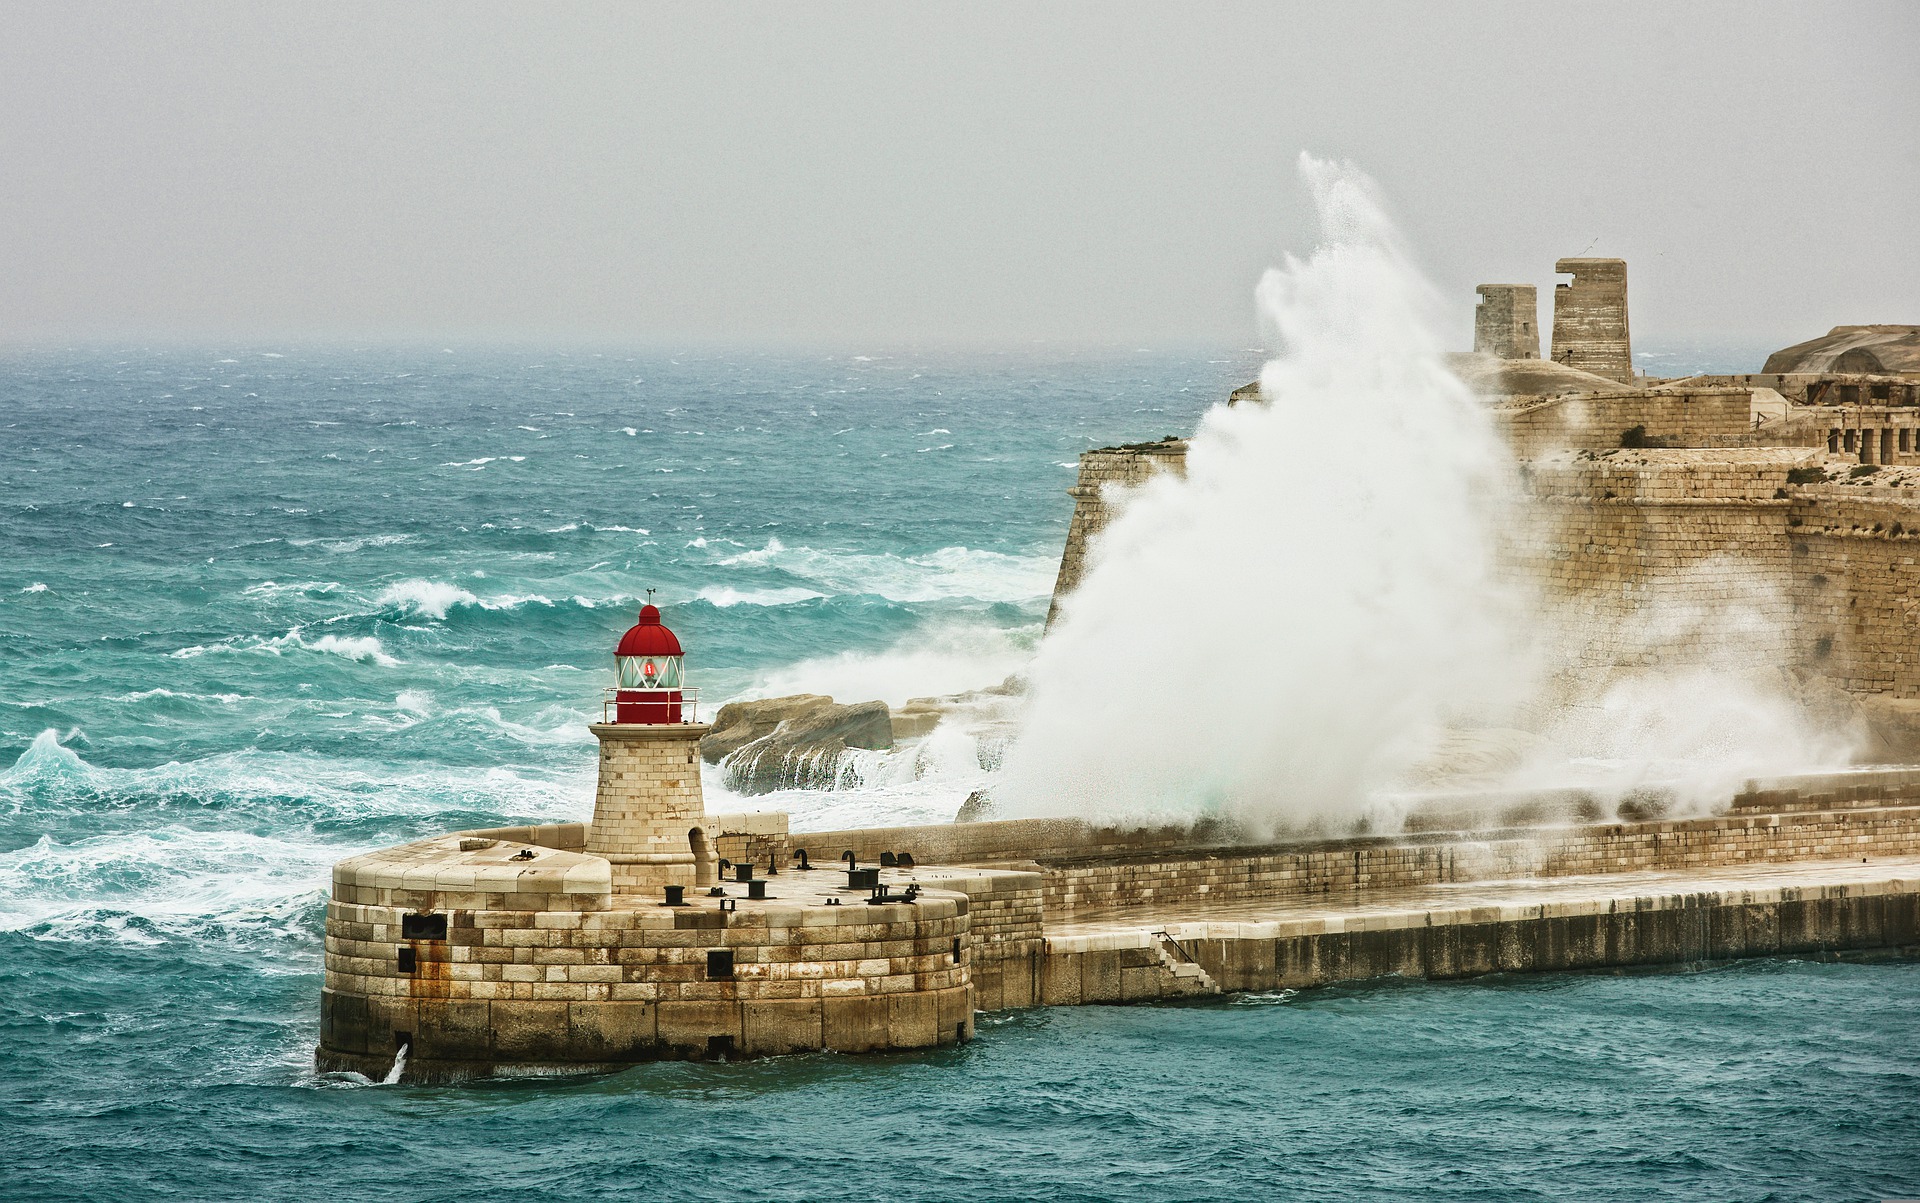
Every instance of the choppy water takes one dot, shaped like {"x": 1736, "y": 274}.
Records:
{"x": 260, "y": 610}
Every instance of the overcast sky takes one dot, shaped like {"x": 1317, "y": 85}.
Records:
{"x": 886, "y": 174}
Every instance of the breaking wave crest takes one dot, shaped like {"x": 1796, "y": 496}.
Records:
{"x": 183, "y": 850}
{"x": 365, "y": 648}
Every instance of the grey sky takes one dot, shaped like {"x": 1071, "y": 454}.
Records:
{"x": 886, "y": 173}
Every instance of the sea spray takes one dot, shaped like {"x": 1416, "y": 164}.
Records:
{"x": 1278, "y": 633}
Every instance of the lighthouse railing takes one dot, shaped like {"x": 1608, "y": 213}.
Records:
{"x": 683, "y": 702}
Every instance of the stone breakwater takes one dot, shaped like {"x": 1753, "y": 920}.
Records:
{"x": 480, "y": 959}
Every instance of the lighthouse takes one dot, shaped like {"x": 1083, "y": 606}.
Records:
{"x": 648, "y": 812}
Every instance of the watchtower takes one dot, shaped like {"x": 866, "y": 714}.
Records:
{"x": 1506, "y": 322}
{"x": 1590, "y": 318}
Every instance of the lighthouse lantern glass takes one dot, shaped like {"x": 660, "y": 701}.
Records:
{"x": 649, "y": 672}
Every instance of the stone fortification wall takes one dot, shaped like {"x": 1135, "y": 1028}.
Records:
{"x": 1596, "y": 421}
{"x": 1103, "y": 474}
{"x": 1505, "y": 321}
{"x": 1857, "y": 556}
{"x": 1686, "y": 556}
{"x": 1816, "y": 388}
{"x": 1646, "y": 558}
{"x": 472, "y": 958}
{"x": 1590, "y": 318}
{"x": 1006, "y": 937}
{"x": 1339, "y": 871}
{"x": 1870, "y": 434}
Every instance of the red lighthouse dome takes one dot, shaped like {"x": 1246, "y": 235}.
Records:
{"x": 647, "y": 637}
{"x": 650, "y": 667}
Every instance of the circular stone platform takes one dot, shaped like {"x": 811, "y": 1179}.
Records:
{"x": 486, "y": 956}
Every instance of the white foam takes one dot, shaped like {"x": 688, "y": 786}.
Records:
{"x": 174, "y": 879}
{"x": 1270, "y": 635}
{"x": 225, "y": 699}
{"x": 938, "y": 660}
{"x": 725, "y": 596}
{"x": 363, "y": 648}
{"x": 275, "y": 589}
{"x": 349, "y": 546}
{"x": 36, "y": 587}
{"x": 948, "y": 574}
{"x": 1284, "y": 633}
{"x": 429, "y": 599}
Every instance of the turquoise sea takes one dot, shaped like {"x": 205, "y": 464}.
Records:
{"x": 263, "y": 607}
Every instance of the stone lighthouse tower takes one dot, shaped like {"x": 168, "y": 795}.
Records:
{"x": 648, "y": 813}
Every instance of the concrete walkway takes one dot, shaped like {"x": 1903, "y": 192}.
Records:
{"x": 1199, "y": 916}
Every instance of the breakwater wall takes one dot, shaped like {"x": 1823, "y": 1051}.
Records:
{"x": 1631, "y": 924}
{"x": 476, "y": 957}
{"x": 1153, "y": 913}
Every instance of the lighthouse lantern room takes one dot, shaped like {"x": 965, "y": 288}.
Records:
{"x": 649, "y": 678}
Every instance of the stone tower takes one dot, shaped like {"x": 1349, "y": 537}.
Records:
{"x": 649, "y": 815}
{"x": 1506, "y": 322}
{"x": 1590, "y": 318}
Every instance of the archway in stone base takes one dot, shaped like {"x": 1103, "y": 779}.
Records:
{"x": 705, "y": 864}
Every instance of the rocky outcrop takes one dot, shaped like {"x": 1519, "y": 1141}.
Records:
{"x": 986, "y": 714}
{"x": 795, "y": 742}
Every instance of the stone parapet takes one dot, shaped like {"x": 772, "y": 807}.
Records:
{"x": 473, "y": 872}
{"x": 1346, "y": 869}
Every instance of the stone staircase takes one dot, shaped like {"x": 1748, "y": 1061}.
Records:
{"x": 1188, "y": 976}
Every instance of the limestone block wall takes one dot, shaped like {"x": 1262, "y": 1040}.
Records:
{"x": 648, "y": 804}
{"x": 1597, "y": 421}
{"x": 1017, "y": 841}
{"x": 567, "y": 837}
{"x": 1857, "y": 555}
{"x": 1505, "y": 322}
{"x": 1871, "y": 434}
{"x": 1340, "y": 870}
{"x": 1652, "y": 558}
{"x": 1590, "y": 318}
{"x": 1104, "y": 473}
{"x": 1822, "y": 388}
{"x": 758, "y": 838}
{"x": 1689, "y": 928}
{"x": 553, "y": 973}
{"x": 1006, "y": 943}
